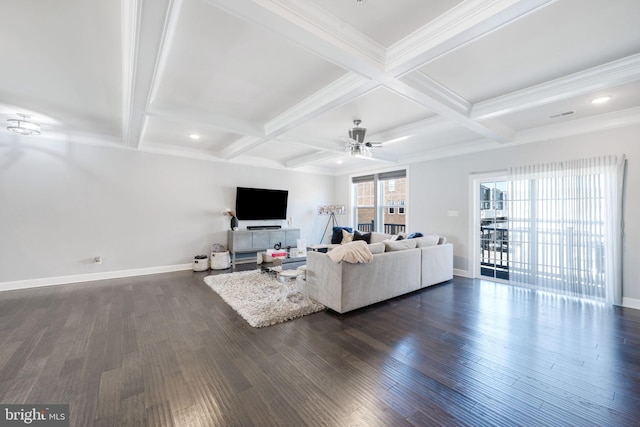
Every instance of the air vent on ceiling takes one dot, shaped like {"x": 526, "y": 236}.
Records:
{"x": 566, "y": 113}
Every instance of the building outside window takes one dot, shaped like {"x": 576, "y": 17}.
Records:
{"x": 378, "y": 198}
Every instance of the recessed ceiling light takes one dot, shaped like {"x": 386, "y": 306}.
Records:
{"x": 339, "y": 161}
{"x": 194, "y": 136}
{"x": 601, "y": 99}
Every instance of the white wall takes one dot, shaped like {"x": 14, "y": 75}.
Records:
{"x": 62, "y": 204}
{"x": 443, "y": 185}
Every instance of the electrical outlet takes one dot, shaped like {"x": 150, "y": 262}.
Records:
{"x": 97, "y": 260}
{"x": 452, "y": 213}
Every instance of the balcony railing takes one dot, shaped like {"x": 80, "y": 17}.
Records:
{"x": 367, "y": 227}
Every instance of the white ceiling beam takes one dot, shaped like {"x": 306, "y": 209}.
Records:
{"x": 500, "y": 133}
{"x": 337, "y": 93}
{"x": 615, "y": 73}
{"x": 197, "y": 119}
{"x": 314, "y": 29}
{"x": 468, "y": 21}
{"x": 239, "y": 146}
{"x": 317, "y": 31}
{"x": 437, "y": 92}
{"x": 144, "y": 41}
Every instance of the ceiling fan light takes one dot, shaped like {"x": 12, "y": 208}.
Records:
{"x": 23, "y": 126}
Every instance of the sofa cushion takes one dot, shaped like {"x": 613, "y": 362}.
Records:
{"x": 359, "y": 235}
{"x": 376, "y": 248}
{"x": 336, "y": 237}
{"x": 379, "y": 237}
{"x": 399, "y": 245}
{"x": 428, "y": 240}
{"x": 346, "y": 237}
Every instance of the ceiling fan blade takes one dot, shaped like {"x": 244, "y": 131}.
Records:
{"x": 373, "y": 144}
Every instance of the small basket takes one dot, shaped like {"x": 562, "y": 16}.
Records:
{"x": 200, "y": 263}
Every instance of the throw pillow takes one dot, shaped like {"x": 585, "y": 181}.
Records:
{"x": 415, "y": 235}
{"x": 401, "y": 245}
{"x": 358, "y": 235}
{"x": 428, "y": 240}
{"x": 346, "y": 237}
{"x": 336, "y": 237}
{"x": 376, "y": 248}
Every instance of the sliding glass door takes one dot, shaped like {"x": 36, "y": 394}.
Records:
{"x": 494, "y": 230}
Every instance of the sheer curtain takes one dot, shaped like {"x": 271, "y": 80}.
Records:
{"x": 565, "y": 227}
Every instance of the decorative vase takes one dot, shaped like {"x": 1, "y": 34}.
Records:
{"x": 234, "y": 223}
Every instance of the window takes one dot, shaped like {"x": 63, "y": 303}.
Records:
{"x": 377, "y": 201}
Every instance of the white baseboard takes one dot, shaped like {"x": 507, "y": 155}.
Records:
{"x": 462, "y": 273}
{"x": 78, "y": 278}
{"x": 631, "y": 303}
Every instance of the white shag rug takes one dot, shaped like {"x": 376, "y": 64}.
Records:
{"x": 261, "y": 299}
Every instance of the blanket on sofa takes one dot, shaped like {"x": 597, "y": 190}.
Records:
{"x": 353, "y": 252}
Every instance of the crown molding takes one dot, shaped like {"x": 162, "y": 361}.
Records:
{"x": 614, "y": 73}
{"x": 460, "y": 25}
{"x": 314, "y": 29}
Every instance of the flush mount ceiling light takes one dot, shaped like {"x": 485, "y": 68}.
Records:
{"x": 194, "y": 136}
{"x": 601, "y": 99}
{"x": 23, "y": 125}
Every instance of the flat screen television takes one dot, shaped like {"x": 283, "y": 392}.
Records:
{"x": 261, "y": 203}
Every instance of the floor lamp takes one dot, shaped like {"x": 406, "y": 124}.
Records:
{"x": 330, "y": 210}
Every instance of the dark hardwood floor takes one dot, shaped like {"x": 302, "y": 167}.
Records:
{"x": 165, "y": 350}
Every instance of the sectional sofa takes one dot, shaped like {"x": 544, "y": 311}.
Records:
{"x": 344, "y": 287}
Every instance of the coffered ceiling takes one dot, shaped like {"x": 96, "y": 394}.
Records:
{"x": 279, "y": 82}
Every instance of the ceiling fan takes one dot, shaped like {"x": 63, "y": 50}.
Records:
{"x": 356, "y": 145}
